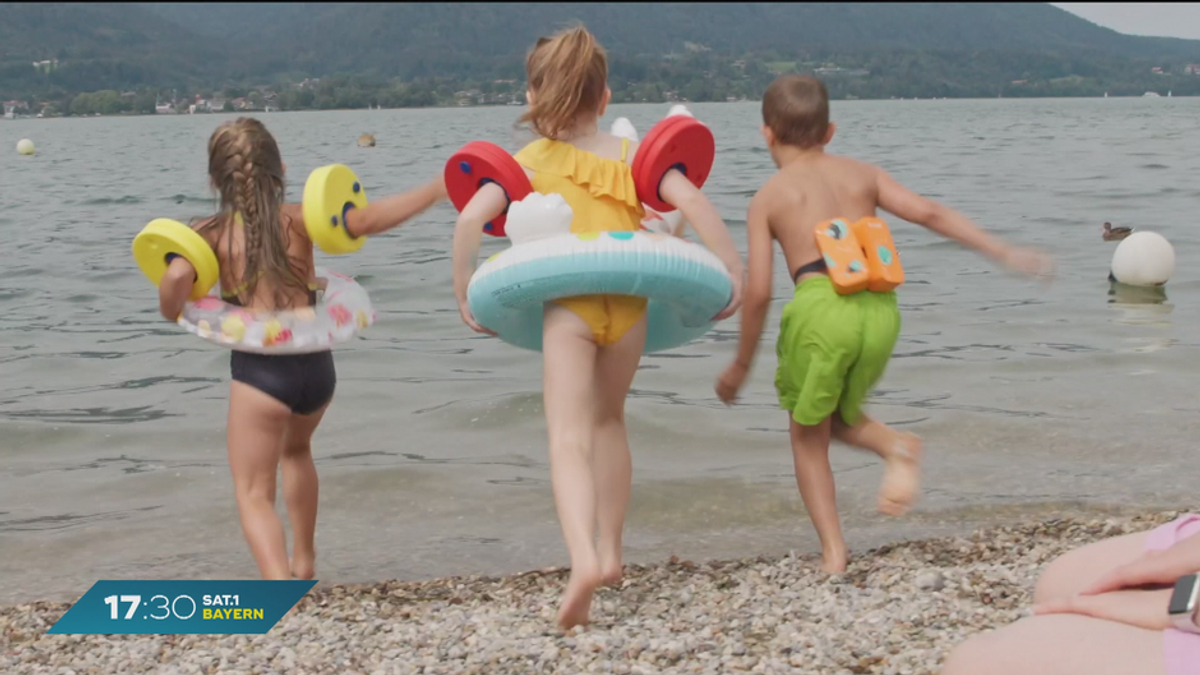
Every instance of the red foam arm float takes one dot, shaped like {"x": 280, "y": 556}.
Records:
{"x": 477, "y": 164}
{"x": 677, "y": 142}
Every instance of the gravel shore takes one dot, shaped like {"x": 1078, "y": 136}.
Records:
{"x": 898, "y": 610}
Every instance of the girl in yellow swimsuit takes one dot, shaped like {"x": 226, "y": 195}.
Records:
{"x": 591, "y": 345}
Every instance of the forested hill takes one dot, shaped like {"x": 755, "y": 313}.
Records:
{"x": 420, "y": 51}
{"x": 413, "y": 39}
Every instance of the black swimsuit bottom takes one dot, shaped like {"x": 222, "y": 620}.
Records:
{"x": 817, "y": 265}
{"x": 303, "y": 382}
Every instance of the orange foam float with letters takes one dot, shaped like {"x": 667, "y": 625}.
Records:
{"x": 844, "y": 259}
{"x": 859, "y": 256}
{"x": 883, "y": 262}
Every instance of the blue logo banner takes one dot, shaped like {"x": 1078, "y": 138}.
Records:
{"x": 181, "y": 607}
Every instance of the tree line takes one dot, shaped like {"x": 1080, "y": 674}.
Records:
{"x": 113, "y": 86}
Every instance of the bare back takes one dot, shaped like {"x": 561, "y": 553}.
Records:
{"x": 228, "y": 242}
{"x": 812, "y": 190}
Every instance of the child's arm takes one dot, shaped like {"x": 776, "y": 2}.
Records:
{"x": 679, "y": 192}
{"x": 897, "y": 199}
{"x": 757, "y": 299}
{"x": 175, "y": 287}
{"x": 393, "y": 211}
{"x": 488, "y": 203}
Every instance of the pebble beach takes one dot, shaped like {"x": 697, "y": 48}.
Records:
{"x": 898, "y": 610}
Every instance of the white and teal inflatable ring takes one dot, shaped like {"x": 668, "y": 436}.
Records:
{"x": 686, "y": 284}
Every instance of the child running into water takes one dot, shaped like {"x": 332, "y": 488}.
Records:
{"x": 275, "y": 401}
{"x": 591, "y": 345}
{"x": 832, "y": 348}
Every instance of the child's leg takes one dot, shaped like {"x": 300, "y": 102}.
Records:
{"x": 879, "y": 321}
{"x": 901, "y": 451}
{"x": 256, "y": 428}
{"x": 569, "y": 358}
{"x": 814, "y": 477}
{"x": 616, "y": 366}
{"x": 300, "y": 490}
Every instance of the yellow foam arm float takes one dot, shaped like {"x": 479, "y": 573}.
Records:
{"x": 163, "y": 238}
{"x": 330, "y": 193}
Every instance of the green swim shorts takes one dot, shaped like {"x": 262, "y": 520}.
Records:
{"x": 832, "y": 350}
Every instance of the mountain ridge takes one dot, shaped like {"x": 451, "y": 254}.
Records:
{"x": 923, "y": 49}
{"x": 306, "y": 31}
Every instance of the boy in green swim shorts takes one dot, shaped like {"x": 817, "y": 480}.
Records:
{"x": 834, "y": 348}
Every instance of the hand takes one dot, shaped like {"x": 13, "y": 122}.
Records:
{"x": 735, "y": 301}
{"x": 464, "y": 310}
{"x": 439, "y": 189}
{"x": 1029, "y": 262}
{"x": 1141, "y": 609}
{"x": 1152, "y": 568}
{"x": 731, "y": 381}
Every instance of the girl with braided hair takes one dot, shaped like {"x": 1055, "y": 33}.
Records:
{"x": 275, "y": 401}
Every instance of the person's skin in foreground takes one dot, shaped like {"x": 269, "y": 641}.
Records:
{"x": 819, "y": 382}
{"x": 1098, "y": 610}
{"x": 268, "y": 260}
{"x": 588, "y": 369}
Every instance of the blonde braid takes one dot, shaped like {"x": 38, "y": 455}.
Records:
{"x": 240, "y": 170}
{"x": 250, "y": 180}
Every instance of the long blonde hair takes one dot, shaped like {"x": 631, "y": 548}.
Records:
{"x": 246, "y": 170}
{"x": 568, "y": 76}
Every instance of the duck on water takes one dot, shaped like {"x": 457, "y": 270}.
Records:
{"x": 1116, "y": 233}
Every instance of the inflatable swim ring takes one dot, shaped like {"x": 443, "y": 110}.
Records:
{"x": 686, "y": 284}
{"x": 341, "y": 312}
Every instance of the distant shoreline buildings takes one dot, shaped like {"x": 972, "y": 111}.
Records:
{"x": 322, "y": 94}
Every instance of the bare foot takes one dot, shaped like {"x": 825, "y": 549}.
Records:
{"x": 901, "y": 476}
{"x": 611, "y": 569}
{"x": 577, "y": 599}
{"x": 303, "y": 566}
{"x": 834, "y": 561}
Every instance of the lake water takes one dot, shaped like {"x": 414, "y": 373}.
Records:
{"x": 433, "y": 458}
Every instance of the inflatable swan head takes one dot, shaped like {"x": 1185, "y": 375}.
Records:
{"x": 623, "y": 128}
{"x": 538, "y": 216}
{"x": 663, "y": 223}
{"x": 680, "y": 109}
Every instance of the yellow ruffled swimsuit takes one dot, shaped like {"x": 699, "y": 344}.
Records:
{"x": 604, "y": 199}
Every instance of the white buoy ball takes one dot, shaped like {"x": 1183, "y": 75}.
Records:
{"x": 25, "y": 146}
{"x": 1143, "y": 259}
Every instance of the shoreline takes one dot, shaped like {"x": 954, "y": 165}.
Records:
{"x": 658, "y": 103}
{"x": 900, "y": 608}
